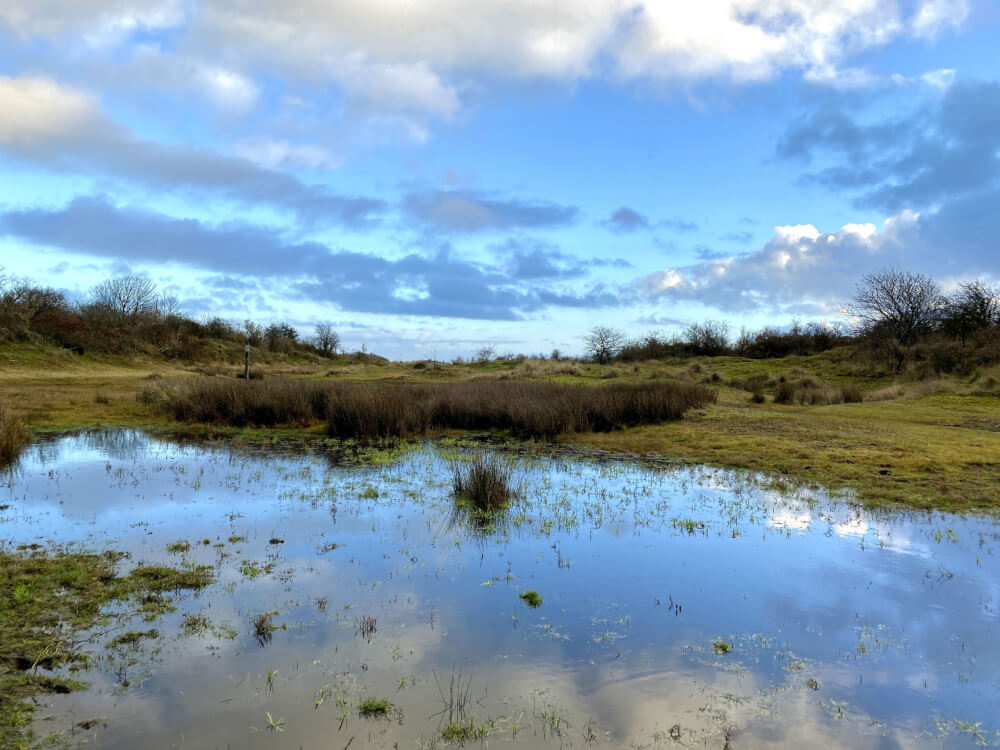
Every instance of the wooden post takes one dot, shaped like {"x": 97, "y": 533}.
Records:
{"x": 246, "y": 362}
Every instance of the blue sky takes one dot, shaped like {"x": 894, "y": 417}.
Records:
{"x": 431, "y": 177}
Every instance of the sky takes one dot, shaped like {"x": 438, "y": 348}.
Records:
{"x": 433, "y": 177}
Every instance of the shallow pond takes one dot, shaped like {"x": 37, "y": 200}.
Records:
{"x": 680, "y": 607}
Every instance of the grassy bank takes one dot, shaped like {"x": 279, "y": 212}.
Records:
{"x": 931, "y": 443}
{"x": 52, "y": 603}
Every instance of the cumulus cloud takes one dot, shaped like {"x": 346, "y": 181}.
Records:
{"x": 415, "y": 284}
{"x": 736, "y": 39}
{"x": 803, "y": 270}
{"x": 471, "y": 211}
{"x": 404, "y": 48}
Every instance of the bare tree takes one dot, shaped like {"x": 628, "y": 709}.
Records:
{"x": 326, "y": 339}
{"x": 896, "y": 303}
{"x": 974, "y": 307}
{"x": 169, "y": 306}
{"x": 604, "y": 342}
{"x": 710, "y": 338}
{"x": 127, "y": 297}
{"x": 484, "y": 354}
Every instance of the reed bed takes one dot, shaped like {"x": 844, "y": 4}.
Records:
{"x": 384, "y": 410}
{"x": 13, "y": 436}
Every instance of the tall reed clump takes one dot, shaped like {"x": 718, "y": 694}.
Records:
{"x": 385, "y": 410}
{"x": 13, "y": 436}
{"x": 485, "y": 482}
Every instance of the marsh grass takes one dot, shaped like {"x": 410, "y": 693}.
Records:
{"x": 374, "y": 708}
{"x": 721, "y": 646}
{"x": 388, "y": 410}
{"x": 486, "y": 482}
{"x": 52, "y": 600}
{"x": 264, "y": 627}
{"x": 465, "y": 732}
{"x": 531, "y": 597}
{"x": 13, "y": 436}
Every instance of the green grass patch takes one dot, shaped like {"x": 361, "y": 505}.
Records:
{"x": 374, "y": 708}
{"x": 531, "y": 598}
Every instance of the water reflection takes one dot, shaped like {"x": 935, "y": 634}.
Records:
{"x": 843, "y": 627}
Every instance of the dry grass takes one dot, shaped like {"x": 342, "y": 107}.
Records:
{"x": 808, "y": 392}
{"x": 13, "y": 436}
{"x": 383, "y": 410}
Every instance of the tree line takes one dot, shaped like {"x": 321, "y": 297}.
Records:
{"x": 128, "y": 315}
{"x": 897, "y": 317}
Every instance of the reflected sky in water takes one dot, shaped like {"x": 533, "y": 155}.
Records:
{"x": 845, "y": 628}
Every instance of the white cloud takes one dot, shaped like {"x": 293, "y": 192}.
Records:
{"x": 36, "y": 109}
{"x": 940, "y": 79}
{"x": 227, "y": 89}
{"x": 933, "y": 15}
{"x": 281, "y": 153}
{"x": 98, "y": 22}
{"x": 799, "y": 266}
{"x": 404, "y": 86}
{"x": 741, "y": 40}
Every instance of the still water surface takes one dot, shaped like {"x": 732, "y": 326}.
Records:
{"x": 844, "y": 627}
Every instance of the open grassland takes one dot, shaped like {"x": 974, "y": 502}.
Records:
{"x": 931, "y": 443}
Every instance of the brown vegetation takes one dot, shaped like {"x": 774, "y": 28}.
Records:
{"x": 383, "y": 410}
{"x": 13, "y": 436}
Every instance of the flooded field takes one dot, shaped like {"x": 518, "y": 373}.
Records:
{"x": 356, "y": 605}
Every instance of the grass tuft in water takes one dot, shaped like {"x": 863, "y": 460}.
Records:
{"x": 374, "y": 708}
{"x": 462, "y": 733}
{"x": 722, "y": 646}
{"x": 531, "y": 597}
{"x": 264, "y": 627}
{"x": 485, "y": 482}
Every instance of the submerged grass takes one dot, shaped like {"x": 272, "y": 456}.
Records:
{"x": 384, "y": 410}
{"x": 52, "y": 601}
